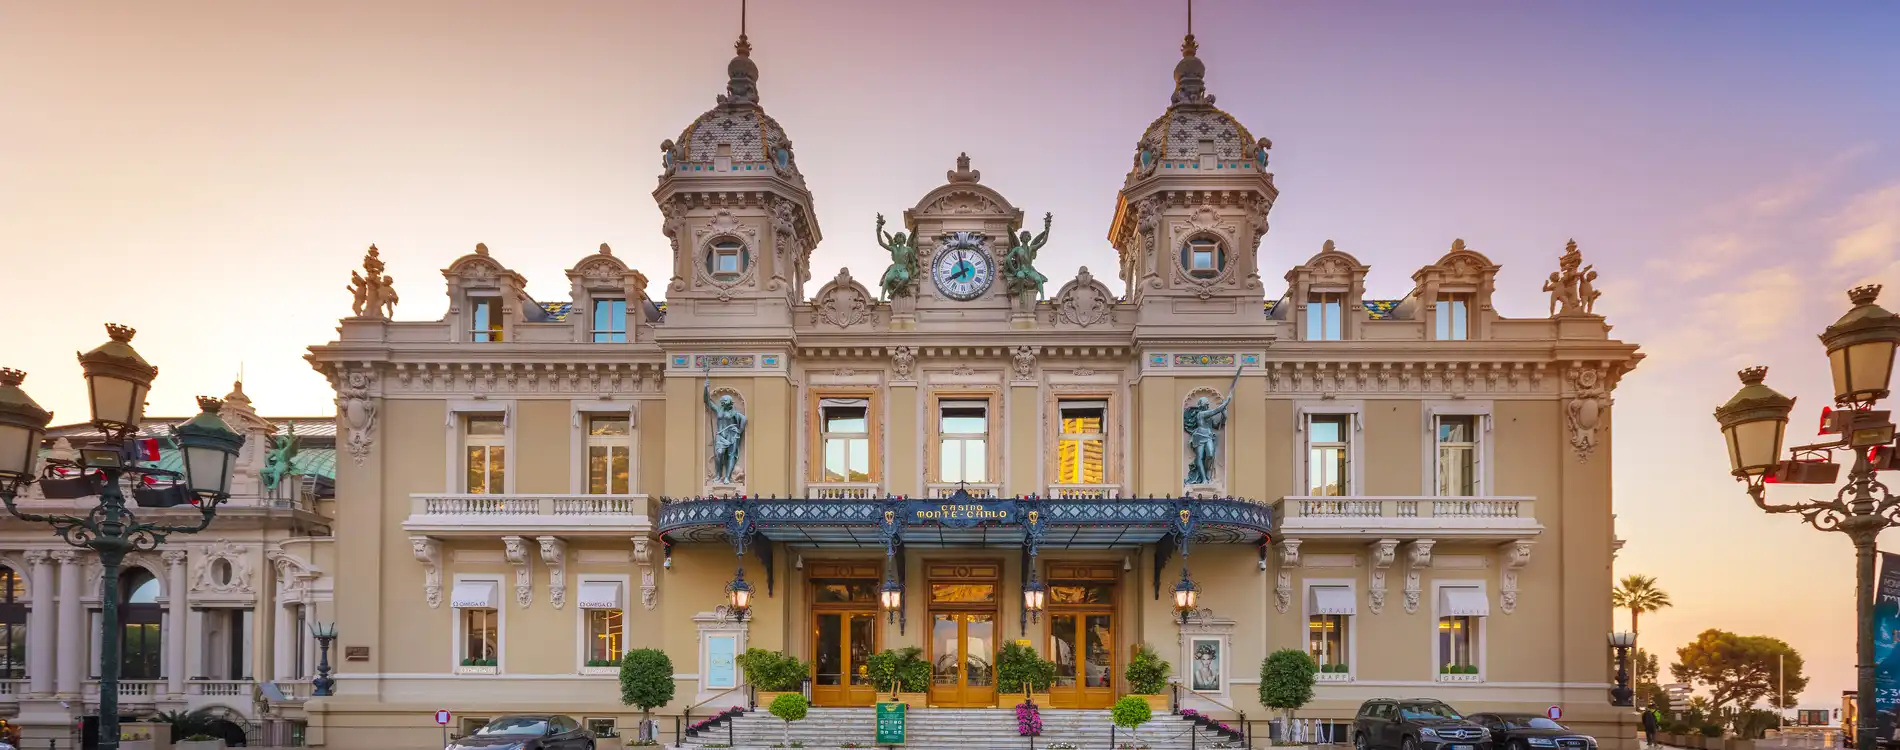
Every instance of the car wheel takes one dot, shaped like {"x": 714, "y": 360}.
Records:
{"x": 1359, "y": 742}
{"x": 1409, "y": 744}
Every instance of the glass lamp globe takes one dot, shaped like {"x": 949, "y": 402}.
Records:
{"x": 22, "y": 425}
{"x": 210, "y": 449}
{"x": 117, "y": 379}
{"x": 1753, "y": 422}
{"x": 1860, "y": 348}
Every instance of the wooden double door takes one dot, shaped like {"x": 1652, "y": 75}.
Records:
{"x": 1081, "y": 617}
{"x": 845, "y": 633}
{"x": 964, "y": 632}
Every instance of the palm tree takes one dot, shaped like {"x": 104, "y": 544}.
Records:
{"x": 1638, "y": 594}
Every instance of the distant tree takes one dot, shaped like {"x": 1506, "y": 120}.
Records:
{"x": 1645, "y": 668}
{"x": 1739, "y": 670}
{"x": 1638, "y": 594}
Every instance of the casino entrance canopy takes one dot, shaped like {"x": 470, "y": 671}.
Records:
{"x": 961, "y": 520}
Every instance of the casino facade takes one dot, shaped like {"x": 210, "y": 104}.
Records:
{"x": 1414, "y": 489}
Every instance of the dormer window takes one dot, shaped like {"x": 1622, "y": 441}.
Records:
{"x": 726, "y": 260}
{"x": 1453, "y": 313}
{"x": 610, "y": 321}
{"x": 1203, "y": 258}
{"x": 484, "y": 319}
{"x": 1323, "y": 316}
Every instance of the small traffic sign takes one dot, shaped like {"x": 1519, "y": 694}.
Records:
{"x": 1554, "y": 712}
{"x": 442, "y": 717}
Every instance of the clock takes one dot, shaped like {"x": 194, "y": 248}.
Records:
{"x": 962, "y": 269}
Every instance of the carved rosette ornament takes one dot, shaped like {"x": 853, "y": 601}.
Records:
{"x": 1382, "y": 553}
{"x": 516, "y": 550}
{"x": 1084, "y": 301}
{"x": 1283, "y": 584}
{"x": 554, "y": 555}
{"x": 842, "y": 302}
{"x": 429, "y": 553}
{"x": 1025, "y": 362}
{"x": 1418, "y": 558}
{"x": 902, "y": 359}
{"x": 1516, "y": 555}
{"x": 358, "y": 410}
{"x": 1585, "y": 409}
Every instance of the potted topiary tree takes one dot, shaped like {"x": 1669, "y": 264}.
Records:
{"x": 772, "y": 673}
{"x": 1130, "y": 713}
{"x": 646, "y": 682}
{"x": 1020, "y": 671}
{"x": 903, "y": 674}
{"x": 1286, "y": 681}
{"x": 789, "y": 707}
{"x": 1147, "y": 676}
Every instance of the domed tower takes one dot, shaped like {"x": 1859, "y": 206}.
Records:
{"x": 1190, "y": 215}
{"x": 737, "y": 211}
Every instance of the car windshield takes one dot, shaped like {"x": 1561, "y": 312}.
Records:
{"x": 1532, "y": 722}
{"x": 1427, "y": 711}
{"x": 514, "y": 726}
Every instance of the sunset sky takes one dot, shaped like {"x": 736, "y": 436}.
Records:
{"x": 210, "y": 172}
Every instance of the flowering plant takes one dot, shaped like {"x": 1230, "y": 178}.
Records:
{"x": 1028, "y": 720}
{"x": 1190, "y": 713}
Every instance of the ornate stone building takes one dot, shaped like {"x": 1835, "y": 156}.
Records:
{"x": 217, "y": 621}
{"x": 1416, "y": 490}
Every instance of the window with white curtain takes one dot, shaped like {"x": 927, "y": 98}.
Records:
{"x": 963, "y": 434}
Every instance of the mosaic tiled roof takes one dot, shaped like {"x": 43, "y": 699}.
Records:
{"x": 750, "y": 132}
{"x": 1381, "y": 309}
{"x": 1180, "y": 130}
{"x": 1271, "y": 305}
{"x": 557, "y": 310}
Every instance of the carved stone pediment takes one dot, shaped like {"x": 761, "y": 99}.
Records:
{"x": 1331, "y": 268}
{"x": 842, "y": 302}
{"x": 1084, "y": 301}
{"x": 480, "y": 270}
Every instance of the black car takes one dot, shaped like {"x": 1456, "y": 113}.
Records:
{"x": 528, "y": 732}
{"x": 1415, "y": 724}
{"x": 1532, "y": 732}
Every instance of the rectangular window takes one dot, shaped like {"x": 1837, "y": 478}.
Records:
{"x": 1457, "y": 643}
{"x": 844, "y": 439}
{"x": 485, "y": 448}
{"x": 1203, "y": 256}
{"x": 1453, "y": 317}
{"x": 485, "y": 318}
{"x": 963, "y": 429}
{"x": 481, "y": 636}
{"x": 610, "y": 321}
{"x": 1458, "y": 455}
{"x": 1326, "y": 640}
{"x": 604, "y": 637}
{"x": 1081, "y": 447}
{"x": 603, "y": 727}
{"x": 226, "y": 639}
{"x": 609, "y": 454}
{"x": 1324, "y": 321}
{"x": 1329, "y": 450}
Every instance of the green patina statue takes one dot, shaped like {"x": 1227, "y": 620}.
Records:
{"x": 728, "y": 434}
{"x": 278, "y": 464}
{"x": 1019, "y": 269}
{"x": 903, "y": 269}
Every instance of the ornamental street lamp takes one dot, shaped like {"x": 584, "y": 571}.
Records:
{"x": 1186, "y": 595}
{"x": 117, "y": 380}
{"x": 1860, "y": 350}
{"x": 1621, "y": 695}
{"x": 739, "y": 595}
{"x": 1035, "y": 595}
{"x": 325, "y": 635}
{"x": 891, "y": 597}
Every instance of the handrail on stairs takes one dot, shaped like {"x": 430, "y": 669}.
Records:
{"x": 686, "y": 717}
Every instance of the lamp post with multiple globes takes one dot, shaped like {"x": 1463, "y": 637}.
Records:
{"x": 117, "y": 380}
{"x": 1860, "y": 351}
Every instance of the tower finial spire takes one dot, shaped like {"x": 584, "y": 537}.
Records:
{"x": 1188, "y": 46}
{"x": 743, "y": 47}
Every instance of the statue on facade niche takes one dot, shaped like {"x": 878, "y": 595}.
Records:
{"x": 728, "y": 433}
{"x": 1019, "y": 270}
{"x": 1202, "y": 422}
{"x": 277, "y": 464}
{"x": 903, "y": 269}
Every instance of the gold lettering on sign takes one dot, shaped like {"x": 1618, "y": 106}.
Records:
{"x": 955, "y": 512}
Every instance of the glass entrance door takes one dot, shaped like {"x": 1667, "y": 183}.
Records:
{"x": 1082, "y": 646}
{"x": 962, "y": 646}
{"x": 842, "y": 645}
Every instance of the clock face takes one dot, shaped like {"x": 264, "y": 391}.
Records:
{"x": 962, "y": 272}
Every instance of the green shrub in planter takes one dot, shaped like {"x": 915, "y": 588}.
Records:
{"x": 788, "y": 708}
{"x": 1147, "y": 673}
{"x": 1017, "y": 665}
{"x": 1130, "y": 713}
{"x": 1711, "y": 730}
{"x": 900, "y": 671}
{"x": 771, "y": 671}
{"x": 1286, "y": 680}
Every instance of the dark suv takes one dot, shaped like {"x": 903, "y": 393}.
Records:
{"x": 1415, "y": 724}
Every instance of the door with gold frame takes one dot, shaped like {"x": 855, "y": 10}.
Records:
{"x": 1081, "y": 612}
{"x": 964, "y": 628}
{"x": 844, "y": 633}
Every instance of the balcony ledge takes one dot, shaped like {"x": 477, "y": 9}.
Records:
{"x": 1372, "y": 517}
{"x": 488, "y": 515}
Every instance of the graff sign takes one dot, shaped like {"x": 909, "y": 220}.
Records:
{"x": 962, "y": 512}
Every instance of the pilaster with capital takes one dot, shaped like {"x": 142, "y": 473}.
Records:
{"x": 178, "y": 611}
{"x": 1283, "y": 583}
{"x": 71, "y": 668}
{"x": 1382, "y": 553}
{"x": 41, "y": 631}
{"x": 1418, "y": 557}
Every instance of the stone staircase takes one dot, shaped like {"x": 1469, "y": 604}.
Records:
{"x": 958, "y": 728}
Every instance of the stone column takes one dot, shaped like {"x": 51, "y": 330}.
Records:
{"x": 73, "y": 628}
{"x": 284, "y": 642}
{"x": 40, "y": 626}
{"x": 175, "y": 625}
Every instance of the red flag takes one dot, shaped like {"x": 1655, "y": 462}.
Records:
{"x": 147, "y": 449}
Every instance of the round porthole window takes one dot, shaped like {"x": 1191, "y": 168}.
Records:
{"x": 221, "y": 572}
{"x": 1203, "y": 257}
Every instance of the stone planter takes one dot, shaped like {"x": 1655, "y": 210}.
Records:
{"x": 136, "y": 745}
{"x": 199, "y": 745}
{"x": 912, "y": 700}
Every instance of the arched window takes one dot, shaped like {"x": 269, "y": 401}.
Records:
{"x": 12, "y": 625}
{"x": 141, "y": 640}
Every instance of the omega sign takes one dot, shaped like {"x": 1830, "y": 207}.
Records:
{"x": 962, "y": 512}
